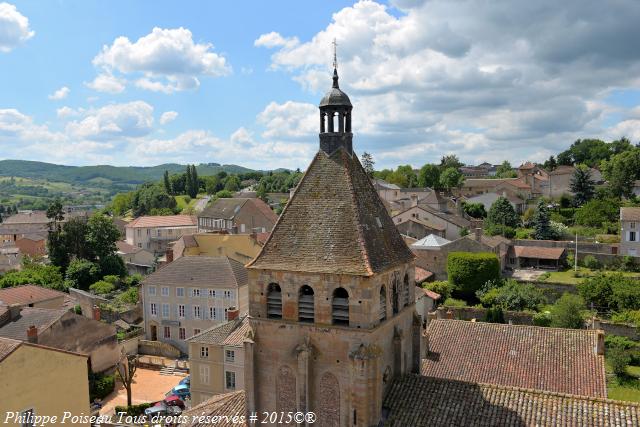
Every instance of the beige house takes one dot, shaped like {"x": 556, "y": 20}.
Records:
{"x": 64, "y": 330}
{"x": 629, "y": 227}
{"x": 136, "y": 260}
{"x": 237, "y": 215}
{"x": 216, "y": 358}
{"x": 154, "y": 233}
{"x": 191, "y": 294}
{"x": 448, "y": 225}
{"x": 41, "y": 381}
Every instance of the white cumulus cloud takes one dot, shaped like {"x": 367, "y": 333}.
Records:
{"x": 14, "y": 28}
{"x": 59, "y": 94}
{"x": 106, "y": 82}
{"x": 168, "y": 116}
{"x": 165, "y": 60}
{"x": 132, "y": 119}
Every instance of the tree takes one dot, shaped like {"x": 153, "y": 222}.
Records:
{"x": 468, "y": 271}
{"x": 81, "y": 274}
{"x": 450, "y": 161}
{"x": 167, "y": 183}
{"x": 597, "y": 212}
{"x": 232, "y": 183}
{"x": 195, "y": 183}
{"x": 502, "y": 213}
{"x": 567, "y": 312}
{"x": 582, "y": 186}
{"x": 620, "y": 145}
{"x": 505, "y": 170}
{"x": 451, "y": 178}
{"x": 621, "y": 171}
{"x": 188, "y": 186}
{"x": 550, "y": 164}
{"x": 619, "y": 359}
{"x": 55, "y": 214}
{"x": 33, "y": 273}
{"x": 367, "y": 163}
{"x": 541, "y": 222}
{"x": 475, "y": 210}
{"x": 75, "y": 239}
{"x": 511, "y": 295}
{"x": 121, "y": 203}
{"x": 126, "y": 370}
{"x": 429, "y": 176}
{"x": 102, "y": 235}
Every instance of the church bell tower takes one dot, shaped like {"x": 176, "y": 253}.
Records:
{"x": 331, "y": 294}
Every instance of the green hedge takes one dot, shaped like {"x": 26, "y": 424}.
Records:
{"x": 133, "y": 410}
{"x": 468, "y": 272}
{"x": 101, "y": 386}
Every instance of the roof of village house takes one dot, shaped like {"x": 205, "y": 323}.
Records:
{"x": 228, "y": 208}
{"x": 35, "y": 217}
{"x": 421, "y": 274}
{"x": 386, "y": 185}
{"x": 562, "y": 170}
{"x": 334, "y": 223}
{"x": 198, "y": 270}
{"x": 424, "y": 223}
{"x": 630, "y": 214}
{"x": 451, "y": 218}
{"x": 7, "y": 346}
{"x": 430, "y": 241}
{"x": 28, "y": 294}
{"x": 163, "y": 221}
{"x": 414, "y": 400}
{"x": 527, "y": 165}
{"x": 549, "y": 359}
{"x": 36, "y": 237}
{"x": 538, "y": 252}
{"x": 126, "y": 248}
{"x": 231, "y": 333}
{"x": 41, "y": 318}
{"x": 226, "y": 406}
{"x": 515, "y": 182}
{"x": 433, "y": 198}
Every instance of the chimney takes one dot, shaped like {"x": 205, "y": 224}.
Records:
{"x": 449, "y": 314}
{"x": 478, "y": 234}
{"x": 440, "y": 312}
{"x": 32, "y": 334}
{"x": 169, "y": 255}
{"x": 232, "y": 313}
{"x": 96, "y": 312}
{"x": 426, "y": 344}
{"x": 414, "y": 200}
{"x": 600, "y": 342}
{"x": 431, "y": 316}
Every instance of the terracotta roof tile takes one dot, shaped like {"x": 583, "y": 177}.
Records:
{"x": 550, "y": 359}
{"x": 422, "y": 274}
{"x": 538, "y": 252}
{"x": 421, "y": 401}
{"x": 163, "y": 221}
{"x": 630, "y": 214}
{"x": 225, "y": 406}
{"x": 334, "y": 223}
{"x": 7, "y": 346}
{"x": 28, "y": 294}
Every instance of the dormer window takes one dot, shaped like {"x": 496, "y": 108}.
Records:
{"x": 306, "y": 308}
{"x": 274, "y": 301}
{"x": 340, "y": 307}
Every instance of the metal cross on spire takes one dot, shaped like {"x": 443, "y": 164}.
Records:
{"x": 335, "y": 54}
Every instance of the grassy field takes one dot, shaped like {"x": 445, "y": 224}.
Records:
{"x": 569, "y": 277}
{"x": 183, "y": 204}
{"x": 624, "y": 389}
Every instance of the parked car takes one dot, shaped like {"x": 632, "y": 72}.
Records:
{"x": 181, "y": 390}
{"x": 174, "y": 400}
{"x": 162, "y": 410}
{"x": 186, "y": 381}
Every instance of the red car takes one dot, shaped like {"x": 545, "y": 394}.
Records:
{"x": 174, "y": 401}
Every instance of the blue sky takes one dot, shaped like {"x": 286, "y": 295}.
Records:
{"x": 147, "y": 82}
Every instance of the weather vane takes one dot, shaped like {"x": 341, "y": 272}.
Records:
{"x": 335, "y": 54}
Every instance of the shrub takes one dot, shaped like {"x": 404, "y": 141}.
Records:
{"x": 81, "y": 273}
{"x": 512, "y": 296}
{"x": 187, "y": 199}
{"x": 495, "y": 315}
{"x": 524, "y": 233}
{"x": 77, "y": 309}
{"x": 613, "y": 341}
{"x": 611, "y": 292}
{"x": 133, "y": 410}
{"x": 630, "y": 316}
{"x": 542, "y": 319}
{"x": 591, "y": 262}
{"x": 224, "y": 194}
{"x": 100, "y": 386}
{"x": 619, "y": 359}
{"x": 567, "y": 312}
{"x": 495, "y": 230}
{"x": 102, "y": 287}
{"x": 468, "y": 272}
{"x": 475, "y": 210}
{"x": 443, "y": 288}
{"x": 628, "y": 263}
{"x": 130, "y": 296}
{"x": 113, "y": 265}
{"x": 113, "y": 279}
{"x": 452, "y": 302}
{"x": 464, "y": 231}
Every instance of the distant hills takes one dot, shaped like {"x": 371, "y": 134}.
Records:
{"x": 104, "y": 174}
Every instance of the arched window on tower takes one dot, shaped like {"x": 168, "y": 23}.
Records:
{"x": 383, "y": 303}
{"x": 340, "y": 307}
{"x": 306, "y": 308}
{"x": 405, "y": 290}
{"x": 274, "y": 301}
{"x": 395, "y": 300}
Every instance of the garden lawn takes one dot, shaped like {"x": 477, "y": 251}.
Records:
{"x": 567, "y": 277}
{"x": 182, "y": 204}
{"x": 627, "y": 389}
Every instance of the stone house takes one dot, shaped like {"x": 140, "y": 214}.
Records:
{"x": 191, "y": 294}
{"x": 237, "y": 215}
{"x": 33, "y": 245}
{"x": 41, "y": 380}
{"x": 32, "y": 296}
{"x": 64, "y": 330}
{"x": 629, "y": 227}
{"x": 560, "y": 180}
{"x": 418, "y": 229}
{"x": 137, "y": 260}
{"x": 536, "y": 257}
{"x": 452, "y": 224}
{"x": 154, "y": 233}
{"x": 216, "y": 358}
